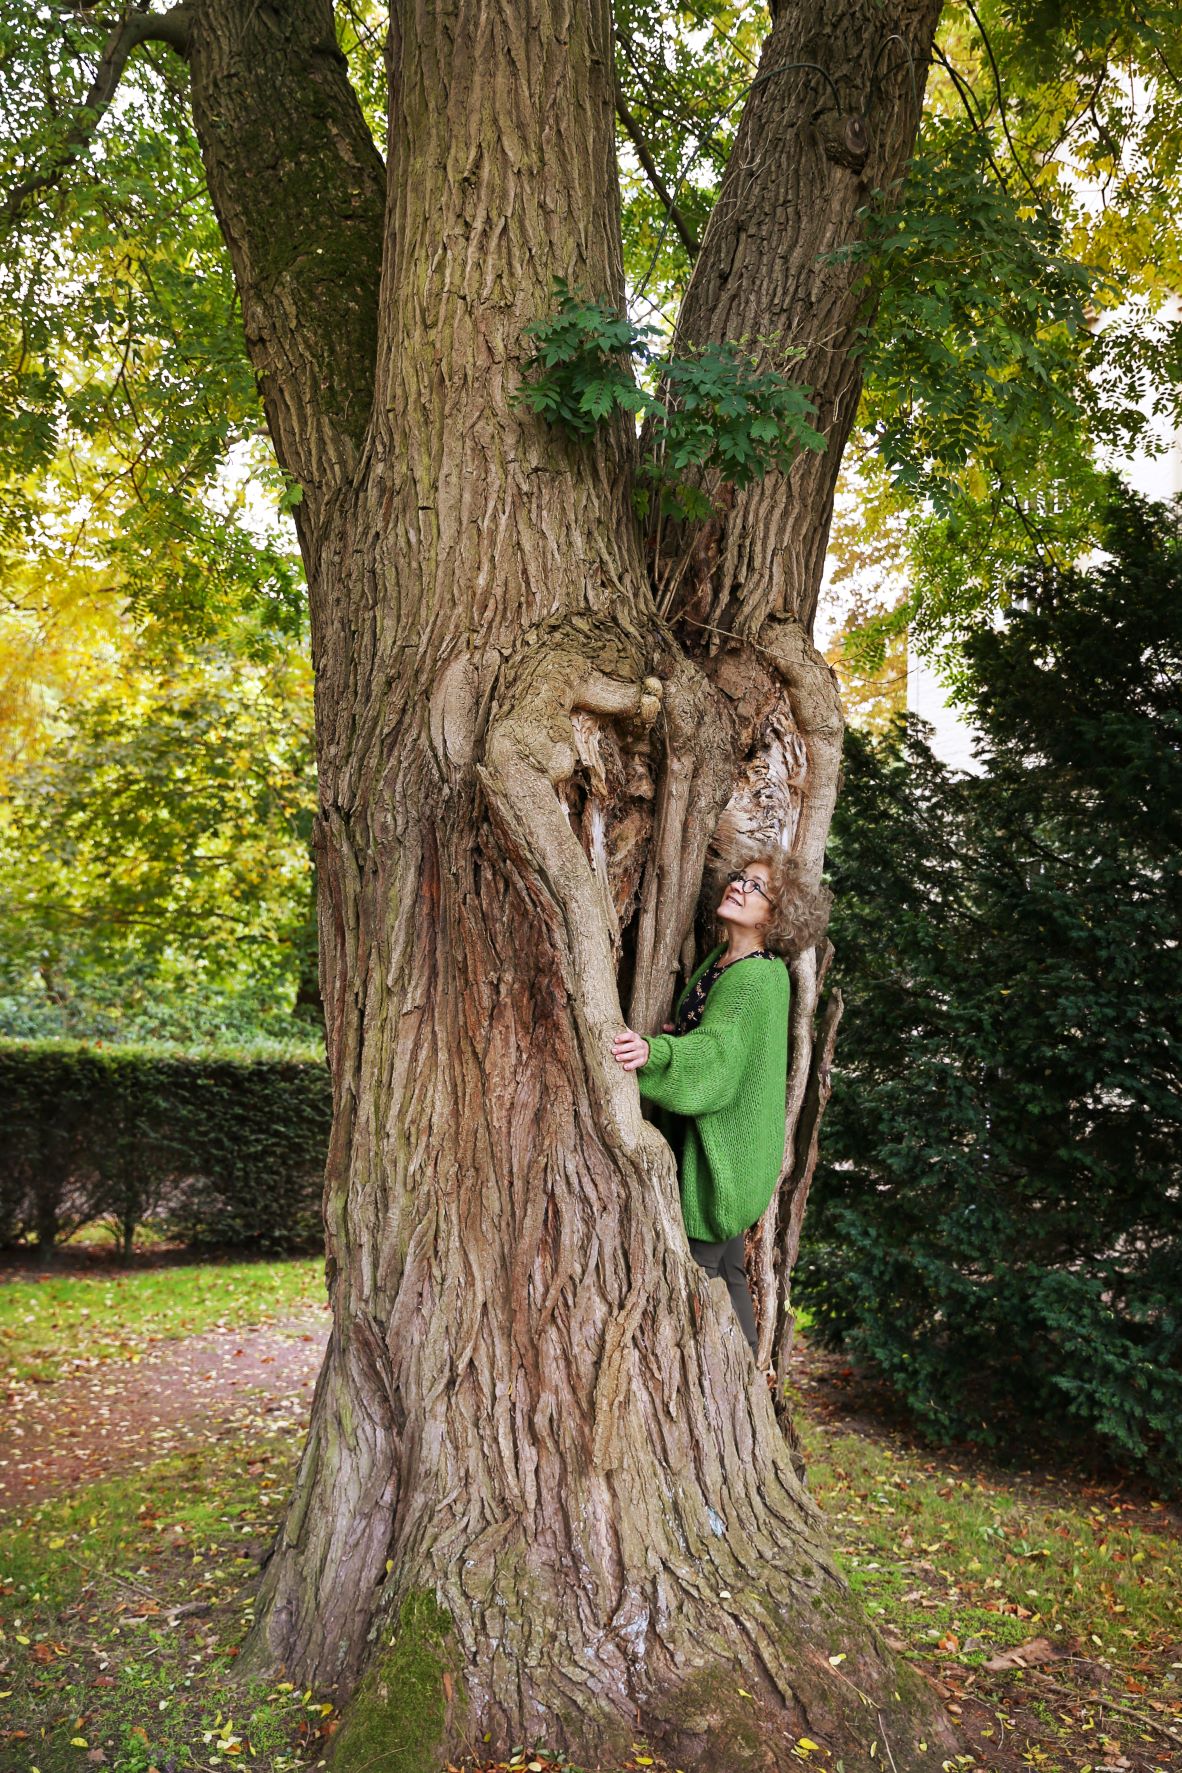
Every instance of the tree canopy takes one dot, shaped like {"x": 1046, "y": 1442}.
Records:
{"x": 1021, "y": 298}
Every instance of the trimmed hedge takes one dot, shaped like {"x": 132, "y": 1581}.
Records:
{"x": 217, "y": 1148}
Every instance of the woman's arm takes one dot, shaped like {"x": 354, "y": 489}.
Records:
{"x": 700, "y": 1072}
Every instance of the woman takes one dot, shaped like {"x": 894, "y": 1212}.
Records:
{"x": 723, "y": 1064}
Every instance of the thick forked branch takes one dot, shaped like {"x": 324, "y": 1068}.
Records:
{"x": 773, "y": 267}
{"x": 139, "y": 27}
{"x": 299, "y": 190}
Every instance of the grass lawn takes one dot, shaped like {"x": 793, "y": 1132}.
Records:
{"x": 959, "y": 1563}
{"x": 122, "y": 1608}
{"x": 47, "y": 1324}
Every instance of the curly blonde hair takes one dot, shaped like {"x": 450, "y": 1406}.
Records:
{"x": 799, "y": 911}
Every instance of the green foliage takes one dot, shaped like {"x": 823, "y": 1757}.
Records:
{"x": 995, "y": 1221}
{"x": 682, "y": 72}
{"x": 980, "y": 323}
{"x": 719, "y": 414}
{"x": 988, "y": 395}
{"x": 1023, "y": 332}
{"x": 140, "y": 430}
{"x": 155, "y": 703}
{"x": 159, "y": 856}
{"x": 222, "y": 1148}
{"x": 577, "y": 376}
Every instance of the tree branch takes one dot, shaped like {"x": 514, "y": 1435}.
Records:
{"x": 756, "y": 275}
{"x": 973, "y": 110}
{"x": 652, "y": 173}
{"x": 1001, "y": 109}
{"x": 299, "y": 190}
{"x": 140, "y": 27}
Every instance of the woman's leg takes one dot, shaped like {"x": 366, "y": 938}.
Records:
{"x": 728, "y": 1262}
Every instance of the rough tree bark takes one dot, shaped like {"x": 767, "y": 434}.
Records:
{"x": 544, "y": 1495}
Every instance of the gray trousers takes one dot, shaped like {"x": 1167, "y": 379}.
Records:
{"x": 726, "y": 1262}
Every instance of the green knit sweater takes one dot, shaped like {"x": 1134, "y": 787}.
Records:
{"x": 728, "y": 1077}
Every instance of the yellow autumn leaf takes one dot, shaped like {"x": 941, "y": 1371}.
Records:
{"x": 21, "y": 1640}
{"x": 743, "y": 1694}
{"x": 79, "y": 1742}
{"x": 836, "y": 1659}
{"x": 644, "y": 1760}
{"x": 808, "y": 1745}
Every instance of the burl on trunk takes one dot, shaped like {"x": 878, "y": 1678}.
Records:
{"x": 544, "y": 1495}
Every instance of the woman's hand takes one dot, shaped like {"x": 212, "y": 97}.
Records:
{"x": 630, "y": 1050}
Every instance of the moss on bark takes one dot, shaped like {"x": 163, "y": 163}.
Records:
{"x": 410, "y": 1701}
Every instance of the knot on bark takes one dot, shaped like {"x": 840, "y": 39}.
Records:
{"x": 846, "y": 139}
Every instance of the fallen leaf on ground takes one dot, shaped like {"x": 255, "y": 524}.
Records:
{"x": 1025, "y": 1656}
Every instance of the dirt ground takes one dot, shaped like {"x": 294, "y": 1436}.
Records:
{"x": 118, "y": 1415}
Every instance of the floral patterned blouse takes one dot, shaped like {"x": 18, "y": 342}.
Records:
{"x": 690, "y": 1013}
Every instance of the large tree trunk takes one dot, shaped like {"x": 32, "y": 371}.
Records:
{"x": 544, "y": 1495}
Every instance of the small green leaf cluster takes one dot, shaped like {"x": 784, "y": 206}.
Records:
{"x": 994, "y": 1224}
{"x": 579, "y": 369}
{"x": 719, "y": 417}
{"x": 727, "y": 416}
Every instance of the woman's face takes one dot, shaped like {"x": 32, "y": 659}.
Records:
{"x": 745, "y": 907}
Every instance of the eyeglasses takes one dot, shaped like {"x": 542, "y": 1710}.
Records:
{"x": 746, "y": 885}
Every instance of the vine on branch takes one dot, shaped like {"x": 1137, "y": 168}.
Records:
{"x": 716, "y": 412}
